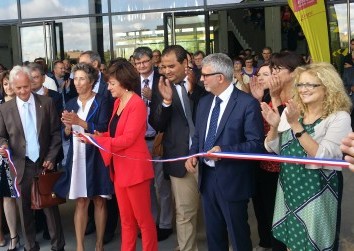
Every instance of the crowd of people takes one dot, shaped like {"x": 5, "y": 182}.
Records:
{"x": 188, "y": 103}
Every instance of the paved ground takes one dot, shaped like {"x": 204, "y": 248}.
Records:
{"x": 347, "y": 229}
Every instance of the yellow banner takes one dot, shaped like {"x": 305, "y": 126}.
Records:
{"x": 311, "y": 15}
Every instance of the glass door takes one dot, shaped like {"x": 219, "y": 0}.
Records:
{"x": 43, "y": 39}
{"x": 190, "y": 30}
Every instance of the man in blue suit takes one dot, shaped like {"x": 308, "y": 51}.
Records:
{"x": 228, "y": 120}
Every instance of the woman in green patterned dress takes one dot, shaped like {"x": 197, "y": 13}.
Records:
{"x": 307, "y": 209}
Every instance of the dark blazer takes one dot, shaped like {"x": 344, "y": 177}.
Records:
{"x": 71, "y": 92}
{"x": 240, "y": 130}
{"x": 48, "y": 128}
{"x": 57, "y": 99}
{"x": 67, "y": 93}
{"x": 97, "y": 175}
{"x": 173, "y": 122}
{"x": 105, "y": 93}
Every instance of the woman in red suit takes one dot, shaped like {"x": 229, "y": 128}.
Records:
{"x": 130, "y": 169}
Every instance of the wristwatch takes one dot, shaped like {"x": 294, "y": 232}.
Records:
{"x": 299, "y": 134}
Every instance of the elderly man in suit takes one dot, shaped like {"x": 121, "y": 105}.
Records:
{"x": 173, "y": 110}
{"x": 227, "y": 120}
{"x": 30, "y": 128}
{"x": 149, "y": 79}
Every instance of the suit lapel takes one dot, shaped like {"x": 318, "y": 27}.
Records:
{"x": 228, "y": 110}
{"x": 39, "y": 113}
{"x": 92, "y": 110}
{"x": 16, "y": 116}
{"x": 204, "y": 121}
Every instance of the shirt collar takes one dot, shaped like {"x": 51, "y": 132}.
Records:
{"x": 40, "y": 91}
{"x": 21, "y": 102}
{"x": 150, "y": 78}
{"x": 225, "y": 95}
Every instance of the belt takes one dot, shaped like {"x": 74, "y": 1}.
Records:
{"x": 149, "y": 138}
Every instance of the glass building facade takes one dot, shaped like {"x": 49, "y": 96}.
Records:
{"x": 58, "y": 29}
{"x": 61, "y": 29}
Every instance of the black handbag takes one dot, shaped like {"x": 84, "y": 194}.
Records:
{"x": 42, "y": 194}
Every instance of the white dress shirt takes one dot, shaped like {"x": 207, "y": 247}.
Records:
{"x": 225, "y": 97}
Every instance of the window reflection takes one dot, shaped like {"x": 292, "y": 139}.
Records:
{"x": 128, "y": 5}
{"x": 93, "y": 35}
{"x": 33, "y": 43}
{"x": 8, "y": 10}
{"x": 190, "y": 32}
{"x": 131, "y": 31}
{"x": 50, "y": 8}
{"x": 217, "y": 2}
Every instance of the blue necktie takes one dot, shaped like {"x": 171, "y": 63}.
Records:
{"x": 213, "y": 124}
{"x": 32, "y": 146}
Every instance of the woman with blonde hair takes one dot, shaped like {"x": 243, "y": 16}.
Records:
{"x": 307, "y": 208}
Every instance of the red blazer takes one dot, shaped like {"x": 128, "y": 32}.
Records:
{"x": 132, "y": 166}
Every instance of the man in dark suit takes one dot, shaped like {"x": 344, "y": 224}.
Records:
{"x": 33, "y": 149}
{"x": 173, "y": 109}
{"x": 100, "y": 87}
{"x": 149, "y": 79}
{"x": 227, "y": 120}
{"x": 65, "y": 85}
{"x": 37, "y": 79}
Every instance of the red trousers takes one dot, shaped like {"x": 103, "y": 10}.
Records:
{"x": 135, "y": 211}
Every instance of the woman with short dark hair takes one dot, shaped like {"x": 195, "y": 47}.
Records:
{"x": 87, "y": 178}
{"x": 130, "y": 168}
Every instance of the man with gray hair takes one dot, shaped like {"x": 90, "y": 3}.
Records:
{"x": 30, "y": 128}
{"x": 227, "y": 120}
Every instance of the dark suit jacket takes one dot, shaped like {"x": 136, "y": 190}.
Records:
{"x": 58, "y": 101}
{"x": 97, "y": 174}
{"x": 240, "y": 130}
{"x": 67, "y": 93}
{"x": 48, "y": 128}
{"x": 105, "y": 93}
{"x": 173, "y": 122}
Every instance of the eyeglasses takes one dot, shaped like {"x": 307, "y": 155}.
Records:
{"x": 142, "y": 62}
{"x": 307, "y": 86}
{"x": 205, "y": 75}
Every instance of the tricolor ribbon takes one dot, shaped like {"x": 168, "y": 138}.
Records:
{"x": 238, "y": 156}
{"x": 14, "y": 171}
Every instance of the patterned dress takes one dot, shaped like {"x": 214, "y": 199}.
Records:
{"x": 7, "y": 177}
{"x": 305, "y": 215}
